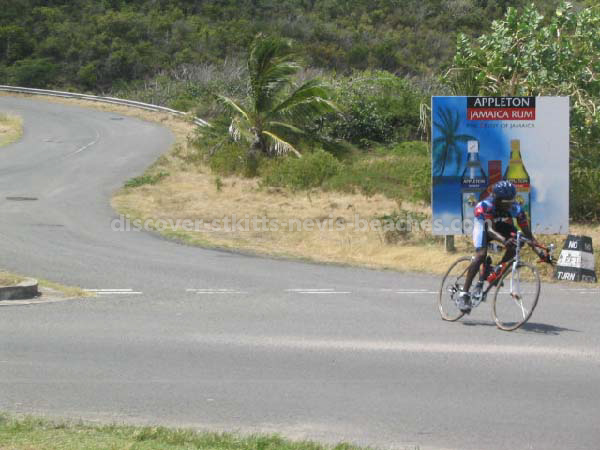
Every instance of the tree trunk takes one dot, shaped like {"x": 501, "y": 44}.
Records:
{"x": 252, "y": 157}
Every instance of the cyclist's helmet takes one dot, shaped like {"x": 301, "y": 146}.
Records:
{"x": 504, "y": 190}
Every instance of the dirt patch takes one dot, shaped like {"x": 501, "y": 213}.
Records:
{"x": 11, "y": 129}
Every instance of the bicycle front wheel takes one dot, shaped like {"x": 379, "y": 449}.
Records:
{"x": 452, "y": 283}
{"x": 516, "y": 297}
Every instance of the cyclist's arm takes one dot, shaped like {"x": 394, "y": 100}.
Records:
{"x": 495, "y": 236}
{"x": 524, "y": 226}
{"x": 521, "y": 217}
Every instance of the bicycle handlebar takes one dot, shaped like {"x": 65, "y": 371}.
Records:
{"x": 548, "y": 250}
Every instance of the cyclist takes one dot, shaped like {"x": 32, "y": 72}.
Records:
{"x": 494, "y": 221}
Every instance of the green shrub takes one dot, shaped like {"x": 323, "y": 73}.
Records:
{"x": 405, "y": 226}
{"x": 375, "y": 107}
{"x": 182, "y": 103}
{"x": 585, "y": 186}
{"x": 229, "y": 158}
{"x": 301, "y": 173}
{"x": 32, "y": 72}
{"x": 400, "y": 172}
{"x": 146, "y": 179}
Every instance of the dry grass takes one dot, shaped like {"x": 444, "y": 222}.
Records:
{"x": 64, "y": 291}
{"x": 187, "y": 195}
{"x": 11, "y": 129}
{"x": 8, "y": 279}
{"x": 195, "y": 196}
{"x": 194, "y": 193}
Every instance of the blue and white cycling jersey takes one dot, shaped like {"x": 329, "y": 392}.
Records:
{"x": 487, "y": 213}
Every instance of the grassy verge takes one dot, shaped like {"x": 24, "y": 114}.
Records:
{"x": 10, "y": 279}
{"x": 66, "y": 291}
{"x": 30, "y": 433}
{"x": 11, "y": 129}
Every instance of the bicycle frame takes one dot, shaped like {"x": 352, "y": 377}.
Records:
{"x": 477, "y": 298}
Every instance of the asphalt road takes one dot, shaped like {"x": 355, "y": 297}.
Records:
{"x": 216, "y": 340}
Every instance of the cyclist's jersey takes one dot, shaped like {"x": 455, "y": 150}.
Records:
{"x": 486, "y": 211}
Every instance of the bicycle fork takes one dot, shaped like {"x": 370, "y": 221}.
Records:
{"x": 515, "y": 282}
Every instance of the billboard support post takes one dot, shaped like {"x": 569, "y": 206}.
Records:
{"x": 449, "y": 240}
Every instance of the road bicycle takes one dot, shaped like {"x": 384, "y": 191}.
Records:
{"x": 517, "y": 285}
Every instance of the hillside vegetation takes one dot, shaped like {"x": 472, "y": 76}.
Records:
{"x": 380, "y": 60}
{"x": 100, "y": 44}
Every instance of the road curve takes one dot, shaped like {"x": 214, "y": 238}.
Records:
{"x": 216, "y": 340}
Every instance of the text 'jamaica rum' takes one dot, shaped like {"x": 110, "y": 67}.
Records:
{"x": 517, "y": 175}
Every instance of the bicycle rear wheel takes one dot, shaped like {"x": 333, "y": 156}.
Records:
{"x": 516, "y": 297}
{"x": 452, "y": 283}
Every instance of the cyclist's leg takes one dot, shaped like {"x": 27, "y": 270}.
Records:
{"x": 480, "y": 243}
{"x": 506, "y": 230}
{"x": 480, "y": 255}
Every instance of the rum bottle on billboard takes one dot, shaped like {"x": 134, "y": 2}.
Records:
{"x": 517, "y": 175}
{"x": 473, "y": 183}
{"x": 494, "y": 175}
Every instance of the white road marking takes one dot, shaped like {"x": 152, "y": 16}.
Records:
{"x": 581, "y": 290}
{"x": 323, "y": 292}
{"x": 295, "y": 343}
{"x": 108, "y": 290}
{"x": 113, "y": 291}
{"x": 309, "y": 290}
{"x": 416, "y": 292}
{"x": 317, "y": 291}
{"x": 215, "y": 291}
{"x": 89, "y": 144}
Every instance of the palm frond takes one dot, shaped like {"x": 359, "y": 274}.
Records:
{"x": 271, "y": 80}
{"x": 312, "y": 97}
{"x": 464, "y": 137}
{"x": 279, "y": 146}
{"x": 442, "y": 127}
{"x": 446, "y": 118}
{"x": 233, "y": 105}
{"x": 440, "y": 153}
{"x": 287, "y": 126}
{"x": 456, "y": 121}
{"x": 239, "y": 129}
{"x": 270, "y": 66}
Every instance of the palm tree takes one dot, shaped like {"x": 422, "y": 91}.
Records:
{"x": 274, "y": 107}
{"x": 446, "y": 146}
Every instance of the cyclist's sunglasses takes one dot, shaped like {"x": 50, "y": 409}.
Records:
{"x": 507, "y": 202}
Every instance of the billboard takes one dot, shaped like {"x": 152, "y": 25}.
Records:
{"x": 477, "y": 141}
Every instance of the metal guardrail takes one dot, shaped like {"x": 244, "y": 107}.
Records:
{"x": 116, "y": 101}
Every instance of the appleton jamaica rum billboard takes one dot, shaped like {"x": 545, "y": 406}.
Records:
{"x": 477, "y": 141}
